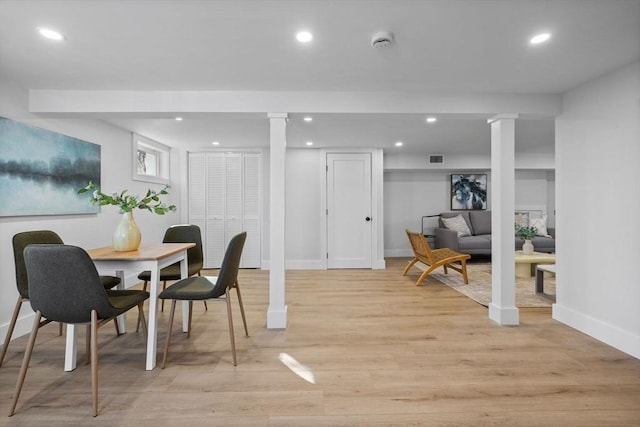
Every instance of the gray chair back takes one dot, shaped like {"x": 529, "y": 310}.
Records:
{"x": 228, "y": 274}
{"x": 64, "y": 284}
{"x": 187, "y": 233}
{"x": 21, "y": 241}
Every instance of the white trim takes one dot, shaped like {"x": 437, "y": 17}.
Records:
{"x": 504, "y": 316}
{"x": 163, "y": 162}
{"x": 609, "y": 334}
{"x": 377, "y": 185}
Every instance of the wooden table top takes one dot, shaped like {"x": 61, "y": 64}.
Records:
{"x": 536, "y": 257}
{"x": 146, "y": 251}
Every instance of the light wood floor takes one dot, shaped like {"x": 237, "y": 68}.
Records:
{"x": 381, "y": 350}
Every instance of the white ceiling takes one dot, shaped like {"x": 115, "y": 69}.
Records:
{"x": 452, "y": 46}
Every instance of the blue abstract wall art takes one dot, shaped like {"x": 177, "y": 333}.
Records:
{"x": 41, "y": 171}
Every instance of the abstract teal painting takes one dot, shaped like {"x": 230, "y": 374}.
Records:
{"x": 41, "y": 171}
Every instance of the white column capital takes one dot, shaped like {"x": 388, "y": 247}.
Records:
{"x": 504, "y": 116}
{"x": 278, "y": 115}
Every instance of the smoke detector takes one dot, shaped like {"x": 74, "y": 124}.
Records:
{"x": 382, "y": 39}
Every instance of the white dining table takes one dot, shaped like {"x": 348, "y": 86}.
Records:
{"x": 149, "y": 257}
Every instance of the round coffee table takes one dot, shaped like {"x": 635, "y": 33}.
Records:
{"x": 526, "y": 264}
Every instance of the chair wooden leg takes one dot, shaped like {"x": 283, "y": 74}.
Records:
{"x": 411, "y": 263}
{"x": 231, "y": 334}
{"x": 144, "y": 288}
{"x": 464, "y": 271}
{"x": 141, "y": 316}
{"x": 168, "y": 340}
{"x": 206, "y": 307}
{"x": 164, "y": 286}
{"x": 425, "y": 274}
{"x": 88, "y": 343}
{"x": 12, "y": 325}
{"x": 25, "y": 362}
{"x": 190, "y": 318}
{"x": 244, "y": 319}
{"x": 94, "y": 360}
{"x": 115, "y": 323}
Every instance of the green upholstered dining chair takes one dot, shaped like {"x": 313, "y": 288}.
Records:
{"x": 213, "y": 288}
{"x": 21, "y": 241}
{"x": 64, "y": 286}
{"x": 181, "y": 233}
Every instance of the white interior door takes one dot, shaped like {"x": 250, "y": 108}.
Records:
{"x": 349, "y": 210}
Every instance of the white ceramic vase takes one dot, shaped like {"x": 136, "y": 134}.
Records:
{"x": 527, "y": 247}
{"x": 126, "y": 236}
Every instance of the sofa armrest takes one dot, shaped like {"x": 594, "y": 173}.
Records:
{"x": 552, "y": 232}
{"x": 446, "y": 238}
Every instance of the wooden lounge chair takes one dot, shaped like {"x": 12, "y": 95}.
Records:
{"x": 434, "y": 258}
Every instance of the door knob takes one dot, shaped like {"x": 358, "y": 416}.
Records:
{"x": 367, "y": 219}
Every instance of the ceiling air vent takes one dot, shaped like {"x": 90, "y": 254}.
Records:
{"x": 436, "y": 159}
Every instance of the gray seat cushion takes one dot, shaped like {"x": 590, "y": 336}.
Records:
{"x": 474, "y": 244}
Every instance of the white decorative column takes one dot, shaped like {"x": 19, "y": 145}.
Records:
{"x": 502, "y": 308}
{"x": 277, "y": 312}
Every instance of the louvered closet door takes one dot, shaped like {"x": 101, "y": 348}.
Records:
{"x": 224, "y": 200}
{"x": 197, "y": 191}
{"x": 233, "y": 224}
{"x": 215, "y": 240}
{"x": 251, "y": 213}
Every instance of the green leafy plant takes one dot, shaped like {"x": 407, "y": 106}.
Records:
{"x": 128, "y": 202}
{"x": 526, "y": 233}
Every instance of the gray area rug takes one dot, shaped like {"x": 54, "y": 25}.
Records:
{"x": 479, "y": 287}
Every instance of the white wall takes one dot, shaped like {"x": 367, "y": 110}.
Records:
{"x": 597, "y": 155}
{"x": 304, "y": 179}
{"x": 87, "y": 231}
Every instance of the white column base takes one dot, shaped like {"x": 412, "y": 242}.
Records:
{"x": 505, "y": 316}
{"x": 277, "y": 318}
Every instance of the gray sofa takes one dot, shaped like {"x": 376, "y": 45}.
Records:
{"x": 479, "y": 242}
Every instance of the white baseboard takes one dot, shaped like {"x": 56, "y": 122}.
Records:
{"x": 612, "y": 335}
{"x": 23, "y": 324}
{"x": 277, "y": 319}
{"x": 380, "y": 264}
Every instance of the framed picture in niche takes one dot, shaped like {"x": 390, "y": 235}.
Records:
{"x": 468, "y": 192}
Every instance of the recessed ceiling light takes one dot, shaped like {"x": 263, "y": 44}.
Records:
{"x": 431, "y": 120}
{"x": 308, "y": 119}
{"x": 304, "y": 36}
{"x": 399, "y": 144}
{"x": 50, "y": 34}
{"x": 215, "y": 143}
{"x": 540, "y": 38}
{"x": 309, "y": 143}
{"x": 179, "y": 119}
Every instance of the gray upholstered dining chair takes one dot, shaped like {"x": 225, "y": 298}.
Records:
{"x": 64, "y": 286}
{"x": 203, "y": 288}
{"x": 181, "y": 233}
{"x": 21, "y": 241}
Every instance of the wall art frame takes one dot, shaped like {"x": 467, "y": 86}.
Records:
{"x": 41, "y": 171}
{"x": 468, "y": 192}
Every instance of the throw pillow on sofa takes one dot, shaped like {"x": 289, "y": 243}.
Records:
{"x": 458, "y": 224}
{"x": 541, "y": 226}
